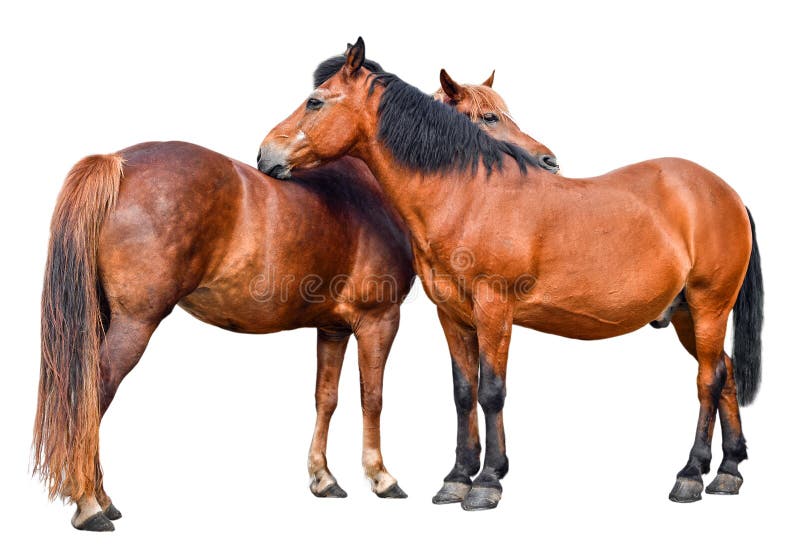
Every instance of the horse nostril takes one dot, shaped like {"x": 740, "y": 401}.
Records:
{"x": 548, "y": 162}
{"x": 258, "y": 158}
{"x": 278, "y": 172}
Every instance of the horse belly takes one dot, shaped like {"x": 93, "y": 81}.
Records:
{"x": 252, "y": 302}
{"x": 577, "y": 324}
{"x": 600, "y": 309}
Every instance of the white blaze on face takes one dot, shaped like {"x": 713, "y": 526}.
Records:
{"x": 300, "y": 137}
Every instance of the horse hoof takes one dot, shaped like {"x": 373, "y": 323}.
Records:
{"x": 393, "y": 492}
{"x": 686, "y": 490}
{"x": 451, "y": 492}
{"x": 482, "y": 498}
{"x": 725, "y": 484}
{"x": 112, "y": 512}
{"x": 333, "y": 491}
{"x": 98, "y": 522}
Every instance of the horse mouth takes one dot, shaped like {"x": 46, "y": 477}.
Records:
{"x": 280, "y": 172}
{"x": 277, "y": 171}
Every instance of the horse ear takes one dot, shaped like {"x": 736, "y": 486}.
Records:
{"x": 451, "y": 88}
{"x": 354, "y": 57}
{"x": 489, "y": 81}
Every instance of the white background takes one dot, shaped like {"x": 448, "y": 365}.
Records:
{"x": 207, "y": 438}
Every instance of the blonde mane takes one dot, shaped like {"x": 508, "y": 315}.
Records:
{"x": 481, "y": 99}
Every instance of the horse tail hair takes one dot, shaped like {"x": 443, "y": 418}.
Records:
{"x": 66, "y": 430}
{"x": 748, "y": 319}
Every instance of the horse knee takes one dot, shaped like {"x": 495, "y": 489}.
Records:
{"x": 371, "y": 403}
{"x": 462, "y": 390}
{"x": 327, "y": 402}
{"x": 492, "y": 392}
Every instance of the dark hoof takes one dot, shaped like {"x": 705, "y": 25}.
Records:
{"x": 482, "y": 498}
{"x": 112, "y": 513}
{"x": 725, "y": 484}
{"x": 333, "y": 491}
{"x": 451, "y": 492}
{"x": 98, "y": 522}
{"x": 686, "y": 490}
{"x": 393, "y": 492}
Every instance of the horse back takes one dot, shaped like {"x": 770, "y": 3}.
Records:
{"x": 236, "y": 248}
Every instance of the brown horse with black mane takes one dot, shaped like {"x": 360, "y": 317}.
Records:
{"x": 497, "y": 244}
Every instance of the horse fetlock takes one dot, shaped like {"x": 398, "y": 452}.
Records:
{"x": 323, "y": 483}
{"x": 89, "y": 516}
{"x": 380, "y": 481}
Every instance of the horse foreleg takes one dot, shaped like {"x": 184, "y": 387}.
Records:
{"x": 493, "y": 317}
{"x": 375, "y": 335}
{"x": 463, "y": 344}
{"x": 331, "y": 346}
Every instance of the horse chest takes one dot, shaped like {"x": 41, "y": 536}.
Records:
{"x": 446, "y": 288}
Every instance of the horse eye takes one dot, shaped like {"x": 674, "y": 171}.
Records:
{"x": 314, "y": 104}
{"x": 490, "y": 118}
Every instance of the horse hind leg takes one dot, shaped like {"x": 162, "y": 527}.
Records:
{"x": 703, "y": 335}
{"x": 734, "y": 447}
{"x": 124, "y": 343}
{"x": 109, "y": 510}
{"x": 331, "y": 346}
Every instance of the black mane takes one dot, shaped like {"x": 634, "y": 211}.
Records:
{"x": 331, "y": 66}
{"x": 429, "y": 136}
{"x": 425, "y": 134}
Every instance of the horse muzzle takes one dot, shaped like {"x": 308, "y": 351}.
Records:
{"x": 272, "y": 162}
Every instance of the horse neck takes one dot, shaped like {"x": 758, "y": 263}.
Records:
{"x": 416, "y": 196}
{"x": 368, "y": 184}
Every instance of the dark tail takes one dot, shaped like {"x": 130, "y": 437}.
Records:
{"x": 748, "y": 318}
{"x": 65, "y": 440}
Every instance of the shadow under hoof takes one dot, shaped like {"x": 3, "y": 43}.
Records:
{"x": 686, "y": 490}
{"x": 451, "y": 492}
{"x": 112, "y": 512}
{"x": 98, "y": 522}
{"x": 333, "y": 491}
{"x": 725, "y": 484}
{"x": 393, "y": 492}
{"x": 482, "y": 498}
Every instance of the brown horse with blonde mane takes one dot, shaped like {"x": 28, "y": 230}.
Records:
{"x": 486, "y": 108}
{"x": 499, "y": 241}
